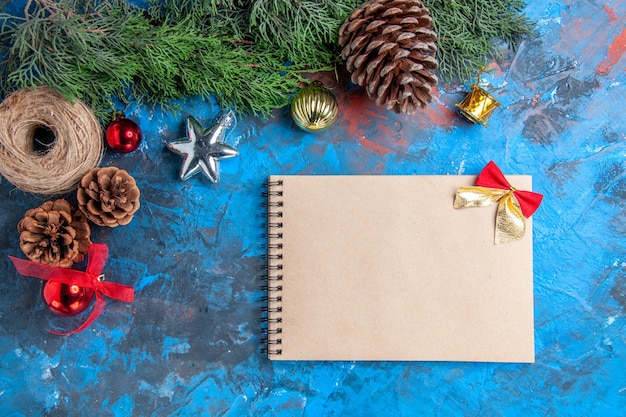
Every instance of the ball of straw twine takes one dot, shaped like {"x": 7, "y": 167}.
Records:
{"x": 78, "y": 143}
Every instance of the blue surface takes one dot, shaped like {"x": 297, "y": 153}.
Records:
{"x": 189, "y": 344}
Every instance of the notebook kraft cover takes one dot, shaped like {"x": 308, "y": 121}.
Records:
{"x": 384, "y": 268}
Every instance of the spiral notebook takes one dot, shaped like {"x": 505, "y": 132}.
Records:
{"x": 384, "y": 268}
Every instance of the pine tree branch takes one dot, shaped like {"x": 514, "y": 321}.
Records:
{"x": 235, "y": 50}
{"x": 110, "y": 52}
{"x": 469, "y": 32}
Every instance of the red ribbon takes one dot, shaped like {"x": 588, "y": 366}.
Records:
{"x": 492, "y": 177}
{"x": 91, "y": 278}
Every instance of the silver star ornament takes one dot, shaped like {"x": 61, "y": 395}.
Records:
{"x": 204, "y": 148}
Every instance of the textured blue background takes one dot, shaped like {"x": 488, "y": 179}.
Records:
{"x": 189, "y": 344}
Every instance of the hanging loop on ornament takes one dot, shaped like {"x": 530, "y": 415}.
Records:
{"x": 336, "y": 72}
{"x": 478, "y": 104}
{"x": 227, "y": 119}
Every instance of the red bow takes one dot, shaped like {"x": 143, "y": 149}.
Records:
{"x": 91, "y": 278}
{"x": 492, "y": 177}
{"x": 513, "y": 205}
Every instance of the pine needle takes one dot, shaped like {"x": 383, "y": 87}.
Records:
{"x": 469, "y": 32}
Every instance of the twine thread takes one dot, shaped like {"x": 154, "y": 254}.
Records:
{"x": 78, "y": 146}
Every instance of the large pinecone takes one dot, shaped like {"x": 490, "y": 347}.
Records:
{"x": 55, "y": 233}
{"x": 108, "y": 196}
{"x": 389, "y": 47}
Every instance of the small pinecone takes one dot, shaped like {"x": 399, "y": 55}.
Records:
{"x": 389, "y": 47}
{"x": 55, "y": 233}
{"x": 108, "y": 196}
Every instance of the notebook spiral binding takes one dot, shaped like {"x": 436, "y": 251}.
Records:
{"x": 272, "y": 317}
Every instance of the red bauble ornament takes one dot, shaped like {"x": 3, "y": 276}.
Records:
{"x": 66, "y": 299}
{"x": 123, "y": 134}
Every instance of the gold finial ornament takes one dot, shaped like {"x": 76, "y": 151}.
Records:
{"x": 478, "y": 104}
{"x": 314, "y": 108}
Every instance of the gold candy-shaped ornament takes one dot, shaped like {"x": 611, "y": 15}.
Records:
{"x": 314, "y": 108}
{"x": 478, "y": 104}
